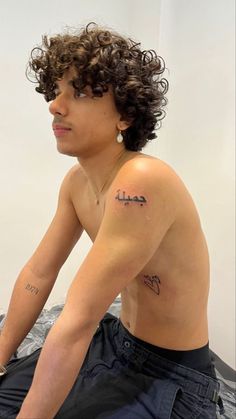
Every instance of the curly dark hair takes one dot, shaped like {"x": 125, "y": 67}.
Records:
{"x": 101, "y": 58}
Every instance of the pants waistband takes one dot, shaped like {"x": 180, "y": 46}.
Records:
{"x": 197, "y": 359}
{"x": 156, "y": 366}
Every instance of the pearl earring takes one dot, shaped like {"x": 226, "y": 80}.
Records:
{"x": 119, "y": 138}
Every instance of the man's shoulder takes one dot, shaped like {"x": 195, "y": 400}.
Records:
{"x": 149, "y": 171}
{"x": 74, "y": 177}
{"x": 75, "y": 172}
{"x": 149, "y": 176}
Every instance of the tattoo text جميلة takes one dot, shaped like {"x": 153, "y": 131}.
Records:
{"x": 127, "y": 199}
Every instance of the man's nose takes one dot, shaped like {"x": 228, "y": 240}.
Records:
{"x": 58, "y": 106}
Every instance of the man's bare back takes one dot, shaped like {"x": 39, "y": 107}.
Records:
{"x": 166, "y": 304}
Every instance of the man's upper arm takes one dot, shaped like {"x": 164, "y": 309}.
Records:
{"x": 61, "y": 236}
{"x": 138, "y": 213}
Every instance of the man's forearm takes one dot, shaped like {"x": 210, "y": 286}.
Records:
{"x": 28, "y": 298}
{"x": 57, "y": 369}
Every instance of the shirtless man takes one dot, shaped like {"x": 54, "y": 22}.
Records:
{"x": 152, "y": 362}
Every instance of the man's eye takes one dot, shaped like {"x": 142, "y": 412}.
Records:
{"x": 79, "y": 94}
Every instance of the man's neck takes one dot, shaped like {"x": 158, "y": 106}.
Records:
{"x": 100, "y": 169}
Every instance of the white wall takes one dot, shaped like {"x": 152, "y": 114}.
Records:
{"x": 196, "y": 39}
{"x": 197, "y": 138}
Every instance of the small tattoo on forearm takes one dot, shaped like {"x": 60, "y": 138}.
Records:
{"x": 153, "y": 282}
{"x": 127, "y": 199}
{"x": 32, "y": 289}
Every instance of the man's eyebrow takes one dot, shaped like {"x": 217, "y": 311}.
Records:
{"x": 69, "y": 83}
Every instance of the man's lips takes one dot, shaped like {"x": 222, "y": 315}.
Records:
{"x": 60, "y": 130}
{"x": 60, "y": 126}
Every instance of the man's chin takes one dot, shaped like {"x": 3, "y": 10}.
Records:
{"x": 67, "y": 152}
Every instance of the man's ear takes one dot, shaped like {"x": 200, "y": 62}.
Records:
{"x": 122, "y": 125}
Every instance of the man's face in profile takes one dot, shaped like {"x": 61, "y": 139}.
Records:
{"x": 82, "y": 124}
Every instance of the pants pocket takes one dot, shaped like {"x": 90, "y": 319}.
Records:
{"x": 190, "y": 406}
{"x": 167, "y": 395}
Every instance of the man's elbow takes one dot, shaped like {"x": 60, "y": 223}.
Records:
{"x": 71, "y": 330}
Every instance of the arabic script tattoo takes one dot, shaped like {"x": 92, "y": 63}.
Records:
{"x": 32, "y": 289}
{"x": 153, "y": 282}
{"x": 126, "y": 200}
